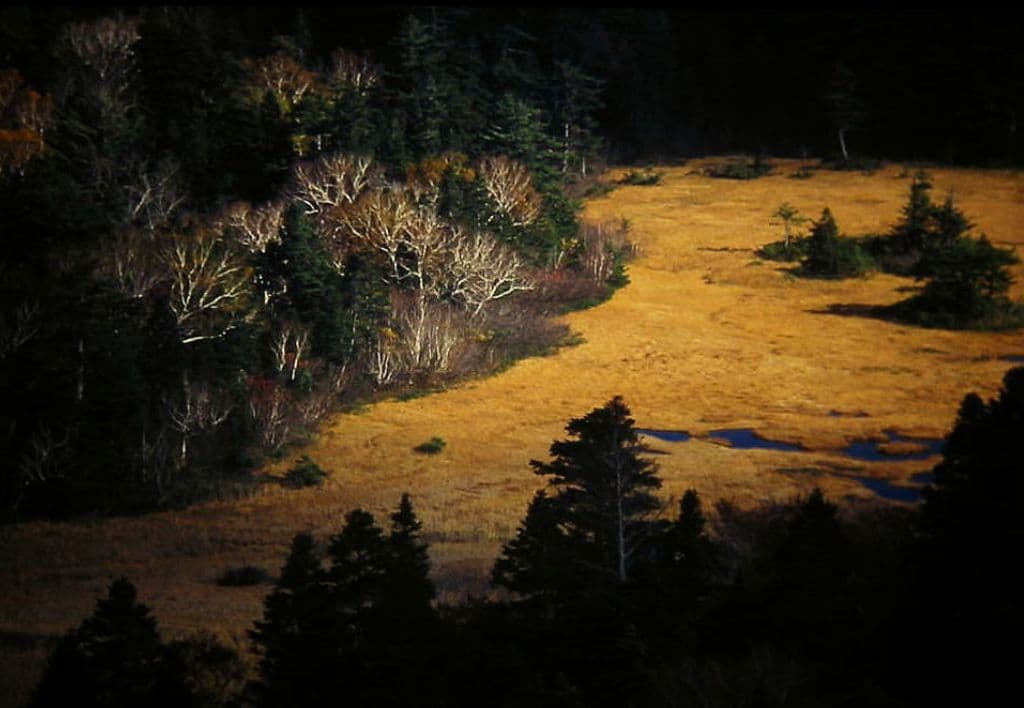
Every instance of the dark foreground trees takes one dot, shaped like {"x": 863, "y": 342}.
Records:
{"x": 116, "y": 659}
{"x": 967, "y": 576}
{"x": 598, "y": 521}
{"x": 362, "y": 628}
{"x": 785, "y": 604}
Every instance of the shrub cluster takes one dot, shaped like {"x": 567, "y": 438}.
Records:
{"x": 305, "y": 473}
{"x": 743, "y": 170}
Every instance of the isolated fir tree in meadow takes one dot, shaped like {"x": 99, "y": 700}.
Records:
{"x": 830, "y": 255}
{"x": 600, "y": 510}
{"x": 823, "y": 244}
{"x": 916, "y": 215}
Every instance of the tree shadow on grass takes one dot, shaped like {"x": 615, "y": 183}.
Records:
{"x": 877, "y": 312}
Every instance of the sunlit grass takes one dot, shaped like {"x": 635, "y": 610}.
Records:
{"x": 698, "y": 340}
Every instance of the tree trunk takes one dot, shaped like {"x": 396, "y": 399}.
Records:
{"x": 565, "y": 151}
{"x": 80, "y": 388}
{"x": 621, "y": 524}
{"x": 842, "y": 144}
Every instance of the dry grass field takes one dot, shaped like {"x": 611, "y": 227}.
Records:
{"x": 705, "y": 337}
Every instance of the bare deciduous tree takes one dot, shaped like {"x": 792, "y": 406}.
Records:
{"x": 601, "y": 245}
{"x": 210, "y": 284}
{"x": 332, "y": 181}
{"x": 383, "y": 363}
{"x": 128, "y": 259}
{"x": 199, "y": 409}
{"x": 353, "y": 71}
{"x": 288, "y": 343}
{"x": 255, "y": 227}
{"x": 45, "y": 457}
{"x": 283, "y": 77}
{"x": 381, "y": 220}
{"x": 107, "y": 47}
{"x": 269, "y": 405}
{"x": 18, "y": 326}
{"x": 152, "y": 195}
{"x": 480, "y": 270}
{"x": 510, "y": 187}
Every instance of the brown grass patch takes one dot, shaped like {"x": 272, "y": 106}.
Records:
{"x": 700, "y": 339}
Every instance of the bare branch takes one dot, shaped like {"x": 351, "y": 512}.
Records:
{"x": 18, "y": 328}
{"x": 128, "y": 258}
{"x": 481, "y": 270}
{"x": 381, "y": 220}
{"x": 255, "y": 227}
{"x": 332, "y": 181}
{"x": 510, "y": 187}
{"x": 152, "y": 196}
{"x": 210, "y": 284}
{"x": 285, "y": 78}
{"x": 353, "y": 71}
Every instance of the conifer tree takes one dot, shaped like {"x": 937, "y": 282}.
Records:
{"x": 294, "y": 635}
{"x": 536, "y": 561}
{"x": 577, "y": 97}
{"x": 112, "y": 659}
{"x": 917, "y": 214}
{"x": 408, "y": 589}
{"x": 602, "y": 501}
{"x": 831, "y": 256}
{"x": 823, "y": 243}
{"x": 689, "y": 550}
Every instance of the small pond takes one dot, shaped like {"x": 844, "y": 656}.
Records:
{"x": 887, "y": 490}
{"x": 1015, "y": 358}
{"x": 747, "y": 439}
{"x": 888, "y": 450}
{"x": 875, "y": 451}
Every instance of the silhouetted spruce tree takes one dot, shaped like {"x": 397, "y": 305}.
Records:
{"x": 979, "y": 489}
{"x": 112, "y": 659}
{"x": 408, "y": 588}
{"x": 360, "y": 561}
{"x": 966, "y": 605}
{"x": 688, "y": 549}
{"x": 402, "y": 630}
{"x": 295, "y": 637}
{"x": 601, "y": 505}
{"x": 537, "y": 561}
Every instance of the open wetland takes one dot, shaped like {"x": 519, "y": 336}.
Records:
{"x": 737, "y": 372}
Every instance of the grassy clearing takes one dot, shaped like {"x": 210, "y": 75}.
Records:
{"x": 697, "y": 341}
